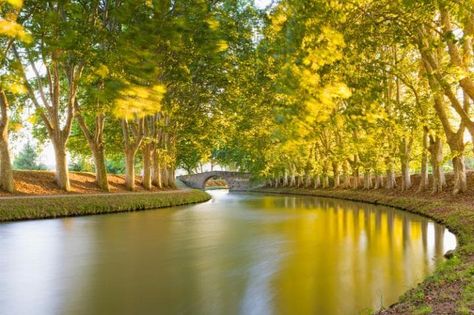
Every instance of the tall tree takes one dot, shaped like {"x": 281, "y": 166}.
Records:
{"x": 52, "y": 66}
{"x": 10, "y": 32}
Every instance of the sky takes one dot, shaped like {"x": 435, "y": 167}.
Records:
{"x": 262, "y": 4}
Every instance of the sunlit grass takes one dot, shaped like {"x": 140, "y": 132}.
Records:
{"x": 24, "y": 208}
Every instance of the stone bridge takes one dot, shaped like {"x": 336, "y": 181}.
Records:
{"x": 235, "y": 180}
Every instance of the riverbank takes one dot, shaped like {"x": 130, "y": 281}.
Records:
{"x": 450, "y": 290}
{"x": 54, "y": 206}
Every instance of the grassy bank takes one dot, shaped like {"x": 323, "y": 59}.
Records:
{"x": 450, "y": 290}
{"x": 42, "y": 207}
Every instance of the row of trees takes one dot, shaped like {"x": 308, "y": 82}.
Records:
{"x": 119, "y": 78}
{"x": 308, "y": 93}
{"x": 355, "y": 93}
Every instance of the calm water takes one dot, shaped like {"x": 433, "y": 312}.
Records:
{"x": 237, "y": 254}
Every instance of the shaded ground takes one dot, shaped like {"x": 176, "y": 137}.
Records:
{"x": 446, "y": 195}
{"x": 43, "y": 183}
{"x": 450, "y": 290}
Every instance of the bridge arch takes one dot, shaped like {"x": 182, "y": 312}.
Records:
{"x": 220, "y": 181}
{"x": 235, "y": 180}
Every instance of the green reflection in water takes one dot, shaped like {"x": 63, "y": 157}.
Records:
{"x": 237, "y": 254}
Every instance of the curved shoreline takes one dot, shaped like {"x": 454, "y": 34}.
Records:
{"x": 58, "y": 206}
{"x": 450, "y": 289}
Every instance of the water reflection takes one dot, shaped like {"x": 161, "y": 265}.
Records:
{"x": 238, "y": 254}
{"x": 356, "y": 252}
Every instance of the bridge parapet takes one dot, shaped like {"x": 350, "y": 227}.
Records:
{"x": 235, "y": 180}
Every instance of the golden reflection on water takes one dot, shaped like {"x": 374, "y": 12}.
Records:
{"x": 238, "y": 254}
{"x": 358, "y": 256}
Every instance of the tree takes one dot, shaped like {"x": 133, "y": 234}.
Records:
{"x": 56, "y": 59}
{"x": 27, "y": 159}
{"x": 10, "y": 32}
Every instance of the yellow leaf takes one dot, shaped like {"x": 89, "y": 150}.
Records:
{"x": 15, "y": 3}
{"x": 102, "y": 71}
{"x": 139, "y": 101}
{"x": 222, "y": 46}
{"x": 213, "y": 23}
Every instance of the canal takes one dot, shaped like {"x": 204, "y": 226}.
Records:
{"x": 239, "y": 253}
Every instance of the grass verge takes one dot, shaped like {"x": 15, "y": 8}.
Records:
{"x": 450, "y": 289}
{"x": 27, "y": 208}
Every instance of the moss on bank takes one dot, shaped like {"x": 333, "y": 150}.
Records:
{"x": 26, "y": 208}
{"x": 450, "y": 290}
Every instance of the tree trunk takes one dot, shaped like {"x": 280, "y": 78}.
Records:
{"x": 424, "y": 178}
{"x": 317, "y": 182}
{"x": 355, "y": 178}
{"x": 347, "y": 177}
{"x": 130, "y": 170}
{"x": 367, "y": 180}
{"x": 62, "y": 173}
{"x": 285, "y": 179}
{"x": 406, "y": 177}
{"x": 308, "y": 181}
{"x": 460, "y": 179}
{"x": 378, "y": 181}
{"x": 95, "y": 142}
{"x": 6, "y": 173}
{"x": 171, "y": 177}
{"x": 325, "y": 183}
{"x": 299, "y": 181}
{"x": 100, "y": 168}
{"x": 391, "y": 182}
{"x": 157, "y": 181}
{"x": 164, "y": 176}
{"x": 132, "y": 136}
{"x": 292, "y": 179}
{"x": 337, "y": 176}
{"x": 456, "y": 145}
{"x": 405, "y": 148}
{"x": 436, "y": 151}
{"x": 147, "y": 166}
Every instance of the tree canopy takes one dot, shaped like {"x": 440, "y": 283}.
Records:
{"x": 301, "y": 93}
